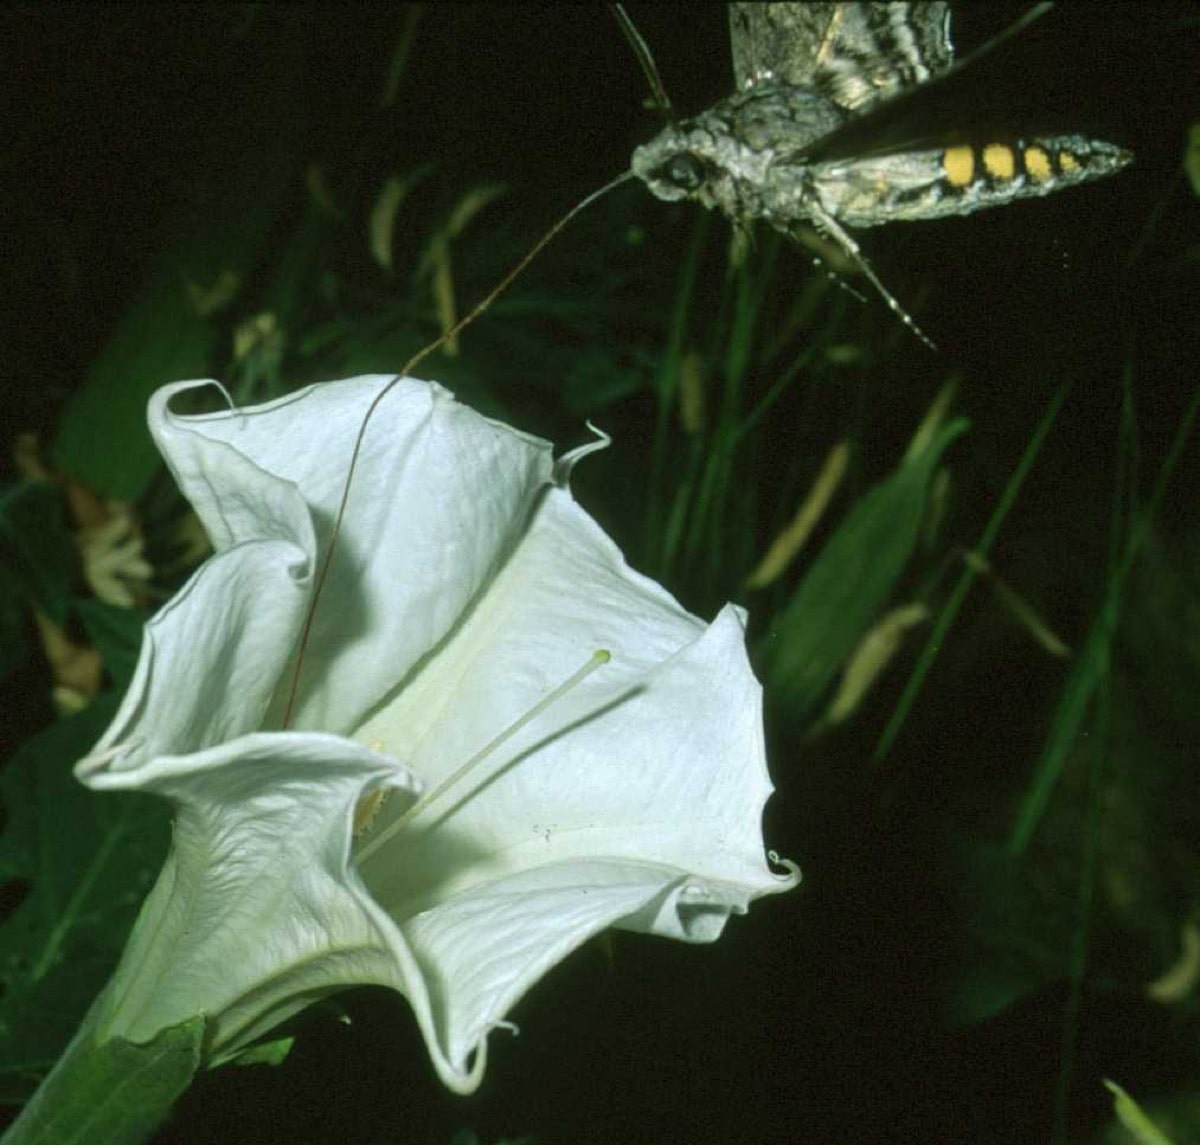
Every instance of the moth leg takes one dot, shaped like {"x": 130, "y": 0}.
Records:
{"x": 827, "y": 255}
{"x": 841, "y": 236}
{"x": 741, "y": 243}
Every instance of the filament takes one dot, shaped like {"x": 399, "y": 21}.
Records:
{"x": 597, "y": 660}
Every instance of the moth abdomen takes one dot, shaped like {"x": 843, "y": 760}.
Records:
{"x": 939, "y": 182}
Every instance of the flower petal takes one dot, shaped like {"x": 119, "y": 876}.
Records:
{"x": 440, "y": 494}
{"x": 475, "y": 956}
{"x": 634, "y": 800}
{"x": 463, "y": 591}
{"x": 212, "y": 655}
{"x": 673, "y": 720}
{"x": 258, "y": 910}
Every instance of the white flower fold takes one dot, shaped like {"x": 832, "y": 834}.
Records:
{"x": 466, "y": 585}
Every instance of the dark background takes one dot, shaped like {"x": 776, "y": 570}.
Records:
{"x": 106, "y": 103}
{"x": 814, "y": 1018}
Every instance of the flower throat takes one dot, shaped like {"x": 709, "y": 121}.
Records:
{"x": 597, "y": 660}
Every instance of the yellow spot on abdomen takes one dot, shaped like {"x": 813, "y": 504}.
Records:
{"x": 1037, "y": 163}
{"x": 959, "y": 165}
{"x": 1067, "y": 161}
{"x": 999, "y": 161}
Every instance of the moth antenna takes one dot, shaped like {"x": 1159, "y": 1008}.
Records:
{"x": 832, "y": 227}
{"x": 405, "y": 370}
{"x": 646, "y": 59}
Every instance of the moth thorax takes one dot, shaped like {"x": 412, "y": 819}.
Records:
{"x": 778, "y": 118}
{"x": 723, "y": 156}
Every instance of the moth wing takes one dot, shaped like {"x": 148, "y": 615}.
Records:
{"x": 856, "y": 54}
{"x": 777, "y": 43}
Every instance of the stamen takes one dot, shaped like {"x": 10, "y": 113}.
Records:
{"x": 597, "y": 660}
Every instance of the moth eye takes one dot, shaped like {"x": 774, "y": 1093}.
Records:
{"x": 684, "y": 171}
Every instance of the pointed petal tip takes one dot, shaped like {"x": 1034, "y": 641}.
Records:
{"x": 564, "y": 466}
{"x": 786, "y": 879}
{"x": 159, "y": 405}
{"x": 93, "y": 766}
{"x": 465, "y": 1079}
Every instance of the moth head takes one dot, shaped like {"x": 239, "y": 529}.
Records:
{"x": 678, "y": 175}
{"x": 673, "y": 170}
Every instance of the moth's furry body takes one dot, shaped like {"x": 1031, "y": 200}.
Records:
{"x": 803, "y": 72}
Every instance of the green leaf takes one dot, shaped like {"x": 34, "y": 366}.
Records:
{"x": 273, "y": 1053}
{"x": 239, "y": 188}
{"x": 949, "y": 611}
{"x": 85, "y": 862}
{"x": 843, "y": 592}
{"x": 116, "y": 632}
{"x": 1091, "y": 668}
{"x": 14, "y": 646}
{"x": 1006, "y": 943}
{"x": 1131, "y": 1116}
{"x": 116, "y": 1093}
{"x": 594, "y": 380}
{"x": 36, "y": 546}
{"x": 1087, "y": 674}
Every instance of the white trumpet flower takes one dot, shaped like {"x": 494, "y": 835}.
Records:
{"x": 502, "y": 741}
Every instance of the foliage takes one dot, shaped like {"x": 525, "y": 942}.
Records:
{"x": 1000, "y": 847}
